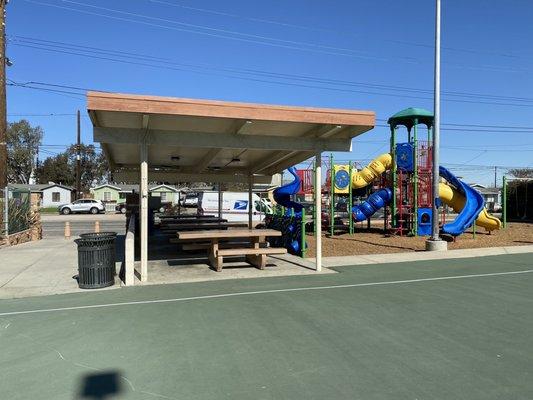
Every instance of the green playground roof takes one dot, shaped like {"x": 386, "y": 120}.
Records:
{"x": 408, "y": 116}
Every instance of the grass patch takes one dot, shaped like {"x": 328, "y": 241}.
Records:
{"x": 48, "y": 210}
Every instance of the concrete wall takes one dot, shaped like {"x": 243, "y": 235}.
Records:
{"x": 64, "y": 196}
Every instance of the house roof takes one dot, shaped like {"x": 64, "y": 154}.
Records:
{"x": 192, "y": 140}
{"x": 38, "y": 187}
{"x": 172, "y": 188}
{"x": 109, "y": 185}
{"x": 484, "y": 190}
{"x": 121, "y": 187}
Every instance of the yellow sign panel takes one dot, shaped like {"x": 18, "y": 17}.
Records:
{"x": 342, "y": 179}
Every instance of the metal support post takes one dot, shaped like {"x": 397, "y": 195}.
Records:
{"x": 394, "y": 176}
{"x": 318, "y": 212}
{"x": 331, "y": 196}
{"x": 144, "y": 211}
{"x": 350, "y": 200}
{"x": 314, "y": 199}
{"x": 302, "y": 230}
{"x": 504, "y": 201}
{"x": 435, "y": 242}
{"x": 250, "y": 201}
{"x": 414, "y": 228}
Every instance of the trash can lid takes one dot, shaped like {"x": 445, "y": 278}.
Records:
{"x": 95, "y": 235}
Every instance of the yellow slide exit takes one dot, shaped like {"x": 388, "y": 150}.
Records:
{"x": 456, "y": 200}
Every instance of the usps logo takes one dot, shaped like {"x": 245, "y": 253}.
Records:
{"x": 240, "y": 205}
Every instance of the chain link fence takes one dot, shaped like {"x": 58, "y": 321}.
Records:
{"x": 16, "y": 211}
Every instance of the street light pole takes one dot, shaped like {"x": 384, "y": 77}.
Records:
{"x": 78, "y": 156}
{"x": 435, "y": 242}
{"x": 3, "y": 106}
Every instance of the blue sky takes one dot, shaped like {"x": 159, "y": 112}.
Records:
{"x": 372, "y": 55}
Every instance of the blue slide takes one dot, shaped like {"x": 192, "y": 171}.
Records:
{"x": 282, "y": 195}
{"x": 473, "y": 206}
{"x": 374, "y": 202}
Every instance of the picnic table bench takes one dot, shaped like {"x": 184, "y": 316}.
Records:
{"x": 255, "y": 254}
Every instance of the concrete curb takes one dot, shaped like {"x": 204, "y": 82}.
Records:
{"x": 423, "y": 255}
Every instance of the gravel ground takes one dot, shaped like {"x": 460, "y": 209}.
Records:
{"x": 374, "y": 242}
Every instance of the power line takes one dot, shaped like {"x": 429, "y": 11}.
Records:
{"x": 54, "y": 91}
{"x": 41, "y": 115}
{"x": 283, "y": 77}
{"x": 143, "y": 57}
{"x": 474, "y": 130}
{"x": 467, "y": 128}
{"x": 477, "y": 125}
{"x": 321, "y": 29}
{"x": 245, "y": 36}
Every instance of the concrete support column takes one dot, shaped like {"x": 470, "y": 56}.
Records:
{"x": 250, "y": 202}
{"x": 219, "y": 200}
{"x": 318, "y": 211}
{"x": 143, "y": 216}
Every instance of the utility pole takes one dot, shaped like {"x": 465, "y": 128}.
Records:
{"x": 435, "y": 243}
{"x": 495, "y": 175}
{"x": 3, "y": 106}
{"x": 78, "y": 157}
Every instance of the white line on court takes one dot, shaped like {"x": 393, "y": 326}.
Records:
{"x": 298, "y": 289}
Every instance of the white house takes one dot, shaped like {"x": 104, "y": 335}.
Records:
{"x": 491, "y": 195}
{"x": 54, "y": 195}
{"x": 51, "y": 194}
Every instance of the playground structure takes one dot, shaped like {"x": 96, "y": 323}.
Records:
{"x": 290, "y": 221}
{"x": 399, "y": 183}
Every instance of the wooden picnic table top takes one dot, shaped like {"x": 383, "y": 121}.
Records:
{"x": 184, "y": 216}
{"x": 230, "y": 233}
{"x": 192, "y": 221}
{"x": 203, "y": 226}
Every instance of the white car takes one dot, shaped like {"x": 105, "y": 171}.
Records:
{"x": 82, "y": 206}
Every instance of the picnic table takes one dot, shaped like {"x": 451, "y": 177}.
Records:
{"x": 202, "y": 226}
{"x": 254, "y": 252}
{"x": 193, "y": 221}
{"x": 187, "y": 216}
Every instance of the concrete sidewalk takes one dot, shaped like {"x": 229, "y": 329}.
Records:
{"x": 38, "y": 268}
{"x": 48, "y": 266}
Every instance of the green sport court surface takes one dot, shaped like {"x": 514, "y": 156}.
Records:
{"x": 451, "y": 329}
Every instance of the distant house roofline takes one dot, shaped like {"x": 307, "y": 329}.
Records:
{"x": 39, "y": 187}
{"x": 107, "y": 185}
{"x": 172, "y": 188}
{"x": 58, "y": 185}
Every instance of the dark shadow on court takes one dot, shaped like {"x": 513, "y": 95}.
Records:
{"x": 101, "y": 385}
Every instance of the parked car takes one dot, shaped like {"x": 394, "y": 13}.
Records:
{"x": 190, "y": 200}
{"x": 82, "y": 206}
{"x": 121, "y": 208}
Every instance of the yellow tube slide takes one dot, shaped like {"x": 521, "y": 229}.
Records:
{"x": 379, "y": 165}
{"x": 456, "y": 200}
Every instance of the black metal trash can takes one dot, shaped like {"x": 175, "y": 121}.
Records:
{"x": 96, "y": 260}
